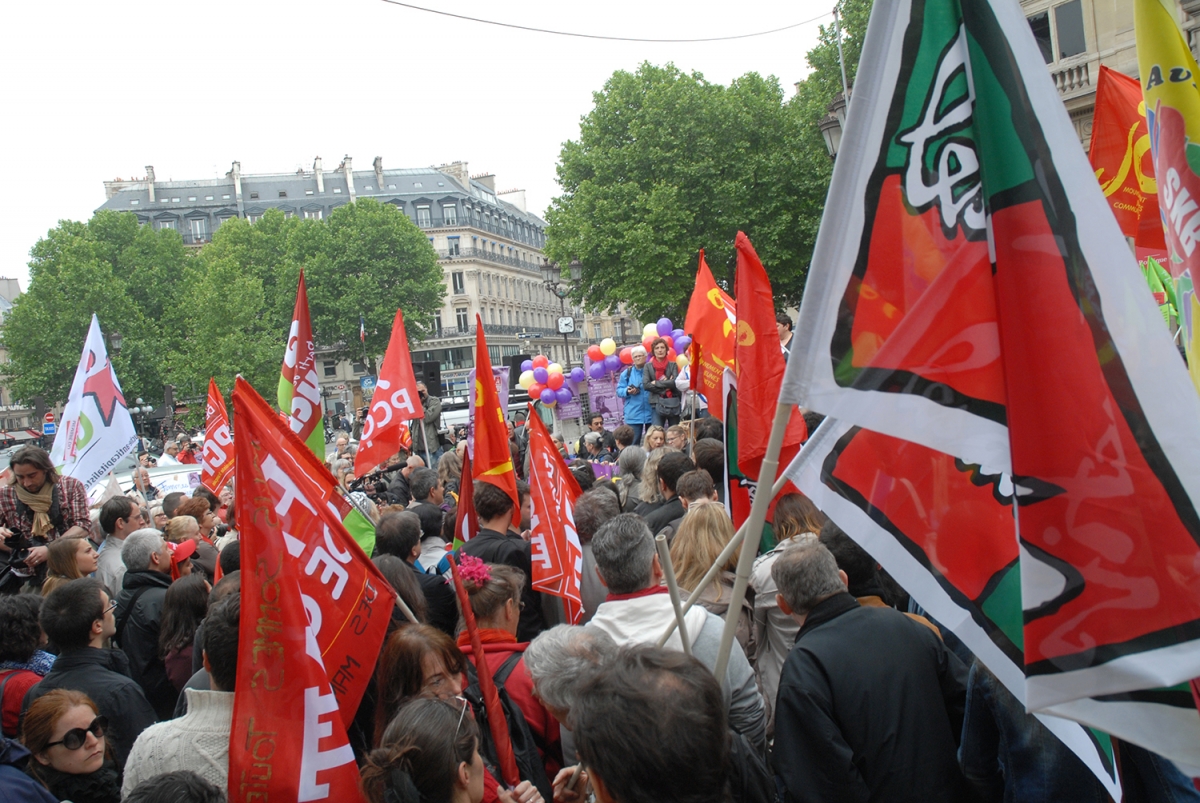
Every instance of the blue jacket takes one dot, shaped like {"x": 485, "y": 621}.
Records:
{"x": 637, "y": 406}
{"x": 15, "y": 785}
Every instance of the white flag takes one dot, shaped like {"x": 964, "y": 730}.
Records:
{"x": 96, "y": 430}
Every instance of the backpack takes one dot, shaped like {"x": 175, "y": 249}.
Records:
{"x": 524, "y": 743}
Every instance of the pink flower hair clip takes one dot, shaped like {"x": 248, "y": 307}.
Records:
{"x": 474, "y": 569}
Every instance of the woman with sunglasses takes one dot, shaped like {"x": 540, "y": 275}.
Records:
{"x": 64, "y": 732}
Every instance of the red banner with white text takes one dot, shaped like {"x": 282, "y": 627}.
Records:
{"x": 395, "y": 401}
{"x": 557, "y": 555}
{"x": 217, "y": 466}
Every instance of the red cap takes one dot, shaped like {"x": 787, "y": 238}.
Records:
{"x": 183, "y": 550}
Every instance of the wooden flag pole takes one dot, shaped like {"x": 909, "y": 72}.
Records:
{"x": 664, "y": 557}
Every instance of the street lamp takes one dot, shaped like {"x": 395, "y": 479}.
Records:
{"x": 553, "y": 279}
{"x": 833, "y": 124}
{"x": 115, "y": 339}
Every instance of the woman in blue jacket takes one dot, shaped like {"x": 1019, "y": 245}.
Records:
{"x": 638, "y": 413}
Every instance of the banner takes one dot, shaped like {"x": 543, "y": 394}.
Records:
{"x": 216, "y": 464}
{"x": 394, "y": 402}
{"x": 95, "y": 431}
{"x": 603, "y": 398}
{"x": 491, "y": 460}
{"x": 299, "y": 387}
{"x": 710, "y": 322}
{"x": 500, "y": 375}
{"x": 557, "y": 556}
{"x": 971, "y": 295}
{"x": 313, "y": 618}
{"x": 466, "y": 520}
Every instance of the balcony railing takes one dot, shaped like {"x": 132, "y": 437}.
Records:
{"x": 436, "y": 221}
{"x": 490, "y": 329}
{"x": 490, "y": 256}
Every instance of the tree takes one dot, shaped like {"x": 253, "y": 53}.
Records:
{"x": 367, "y": 261}
{"x": 131, "y": 276}
{"x": 667, "y": 163}
{"x": 818, "y": 90}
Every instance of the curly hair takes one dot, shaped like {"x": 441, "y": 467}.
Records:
{"x": 20, "y": 633}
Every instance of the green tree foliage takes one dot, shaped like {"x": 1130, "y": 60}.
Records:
{"x": 666, "y": 164}
{"x": 818, "y": 90}
{"x": 129, "y": 275}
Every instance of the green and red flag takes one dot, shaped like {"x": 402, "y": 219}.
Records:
{"x": 711, "y": 318}
{"x": 299, "y": 387}
{"x": 971, "y": 294}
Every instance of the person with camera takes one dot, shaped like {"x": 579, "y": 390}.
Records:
{"x": 630, "y": 387}
{"x": 425, "y": 437}
{"x": 37, "y": 507}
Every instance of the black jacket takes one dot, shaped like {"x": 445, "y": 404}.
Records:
{"x": 870, "y": 706}
{"x": 440, "y": 600}
{"x": 101, "y": 786}
{"x": 664, "y": 514}
{"x": 102, "y": 675}
{"x": 137, "y": 633}
{"x": 511, "y": 549}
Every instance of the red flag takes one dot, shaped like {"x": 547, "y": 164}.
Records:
{"x": 1120, "y": 155}
{"x": 466, "y": 522}
{"x": 710, "y": 322}
{"x": 314, "y": 615}
{"x": 493, "y": 460}
{"x": 394, "y": 402}
{"x": 760, "y": 365}
{"x": 557, "y": 554}
{"x": 299, "y": 389}
{"x": 217, "y": 468}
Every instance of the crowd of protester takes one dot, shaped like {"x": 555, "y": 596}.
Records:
{"x": 119, "y": 646}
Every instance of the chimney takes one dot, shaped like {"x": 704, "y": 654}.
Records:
{"x": 235, "y": 173}
{"x": 514, "y": 197}
{"x": 458, "y": 172}
{"x": 488, "y": 180}
{"x": 379, "y": 173}
{"x": 150, "y": 181}
{"x": 348, "y": 170}
{"x": 319, "y": 169}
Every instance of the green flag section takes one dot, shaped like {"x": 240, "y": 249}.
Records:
{"x": 972, "y": 294}
{"x": 299, "y": 387}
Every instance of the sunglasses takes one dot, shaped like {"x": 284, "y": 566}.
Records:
{"x": 74, "y": 738}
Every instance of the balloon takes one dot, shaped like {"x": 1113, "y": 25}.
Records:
{"x": 540, "y": 361}
{"x": 670, "y": 341}
{"x": 527, "y": 365}
{"x": 676, "y": 334}
{"x": 596, "y": 371}
{"x": 564, "y": 395}
{"x": 646, "y": 341}
{"x": 594, "y": 353}
{"x": 612, "y": 363}
{"x": 671, "y": 355}
{"x": 681, "y": 361}
{"x": 626, "y": 355}
{"x": 555, "y": 381}
{"x": 548, "y": 396}
{"x": 682, "y": 343}
{"x": 554, "y": 368}
{"x": 650, "y": 330}
{"x": 540, "y": 375}
{"x": 608, "y": 346}
{"x": 526, "y": 379}
{"x": 577, "y": 374}
{"x": 535, "y": 390}
{"x": 664, "y": 326}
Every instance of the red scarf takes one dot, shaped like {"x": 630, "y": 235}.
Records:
{"x": 645, "y": 592}
{"x": 660, "y": 372}
{"x": 488, "y": 635}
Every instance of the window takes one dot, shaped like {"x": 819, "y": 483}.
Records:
{"x": 174, "y": 200}
{"x": 199, "y": 228}
{"x": 1068, "y": 22}
{"x": 417, "y": 185}
{"x": 391, "y": 186}
{"x": 494, "y": 354}
{"x": 452, "y": 246}
{"x": 330, "y": 367}
{"x": 313, "y": 214}
{"x": 597, "y": 329}
{"x": 253, "y": 218}
{"x": 134, "y": 202}
{"x": 457, "y": 279}
{"x": 492, "y": 315}
{"x": 510, "y": 318}
{"x": 225, "y": 197}
{"x": 461, "y": 318}
{"x": 423, "y": 217}
{"x": 254, "y": 196}
{"x": 450, "y": 214}
{"x": 308, "y": 192}
{"x": 336, "y": 191}
{"x": 359, "y": 368}
{"x": 208, "y": 197}
{"x": 437, "y": 324}
{"x": 167, "y": 224}
{"x": 192, "y": 198}
{"x": 283, "y": 193}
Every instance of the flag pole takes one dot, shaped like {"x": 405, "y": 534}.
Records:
{"x": 664, "y": 557}
{"x": 758, "y": 515}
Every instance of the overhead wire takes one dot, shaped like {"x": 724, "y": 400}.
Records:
{"x": 578, "y": 35}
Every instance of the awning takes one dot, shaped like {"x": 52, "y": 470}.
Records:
{"x": 20, "y": 435}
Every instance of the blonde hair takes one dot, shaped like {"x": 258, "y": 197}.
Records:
{"x": 649, "y": 491}
{"x": 60, "y": 563}
{"x": 177, "y": 528}
{"x": 795, "y": 514}
{"x": 703, "y": 533}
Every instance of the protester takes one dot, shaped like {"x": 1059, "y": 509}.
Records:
{"x": 184, "y": 607}
{"x": 399, "y": 534}
{"x": 68, "y": 559}
{"x": 425, "y": 440}
{"x": 78, "y": 619}
{"x": 562, "y": 659}
{"x": 140, "y": 605}
{"x": 119, "y": 517}
{"x": 651, "y": 725}
{"x": 398, "y": 490}
{"x": 690, "y": 398}
{"x": 179, "y": 786}
{"x": 631, "y": 462}
{"x": 37, "y": 507}
{"x": 606, "y": 445}
{"x": 870, "y": 703}
{"x": 200, "y": 509}
{"x": 797, "y": 520}
{"x": 709, "y": 455}
{"x": 677, "y": 438}
{"x": 65, "y": 733}
{"x": 658, "y": 378}
{"x": 141, "y": 481}
{"x": 425, "y": 486}
{"x": 650, "y": 491}
{"x": 170, "y": 502}
{"x": 228, "y": 586}
{"x": 623, "y": 437}
{"x": 22, "y": 661}
{"x": 497, "y": 542}
{"x": 655, "y": 438}
{"x": 593, "y": 510}
{"x": 703, "y": 533}
{"x": 450, "y": 473}
{"x": 415, "y": 660}
{"x": 199, "y": 740}
{"x": 403, "y": 581}
{"x": 583, "y": 472}
{"x": 671, "y": 467}
{"x": 593, "y": 446}
{"x": 638, "y": 610}
{"x": 16, "y": 786}
{"x": 637, "y": 413}
{"x": 710, "y": 428}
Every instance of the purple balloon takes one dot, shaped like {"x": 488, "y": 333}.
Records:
{"x": 612, "y": 363}
{"x": 681, "y": 344}
{"x": 664, "y": 326}
{"x": 540, "y": 375}
{"x": 577, "y": 374}
{"x": 564, "y": 395}
{"x": 548, "y": 396}
{"x": 526, "y": 365}
{"x": 676, "y": 334}
{"x": 596, "y": 371}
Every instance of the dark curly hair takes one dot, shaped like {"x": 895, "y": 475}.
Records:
{"x": 20, "y": 633}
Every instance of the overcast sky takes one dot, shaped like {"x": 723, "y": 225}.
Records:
{"x": 96, "y": 91}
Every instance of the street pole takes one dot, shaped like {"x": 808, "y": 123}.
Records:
{"x": 837, "y": 29}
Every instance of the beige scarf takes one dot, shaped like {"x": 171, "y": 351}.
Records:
{"x": 39, "y": 503}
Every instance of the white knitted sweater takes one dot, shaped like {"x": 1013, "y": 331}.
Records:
{"x": 197, "y": 741}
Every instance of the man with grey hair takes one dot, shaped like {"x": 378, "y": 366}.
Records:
{"x": 638, "y": 610}
{"x": 593, "y": 510}
{"x": 399, "y": 490}
{"x": 870, "y": 702}
{"x": 561, "y": 659}
{"x": 147, "y": 559}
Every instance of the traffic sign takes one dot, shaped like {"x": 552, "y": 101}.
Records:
{"x": 48, "y": 428}
{"x": 49, "y": 417}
